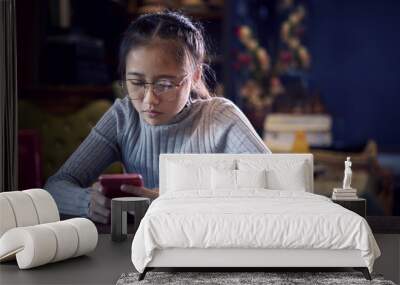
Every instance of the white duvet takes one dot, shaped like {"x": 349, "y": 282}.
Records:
{"x": 250, "y": 219}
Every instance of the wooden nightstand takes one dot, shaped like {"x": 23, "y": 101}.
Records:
{"x": 358, "y": 205}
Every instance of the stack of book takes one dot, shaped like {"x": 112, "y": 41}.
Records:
{"x": 344, "y": 194}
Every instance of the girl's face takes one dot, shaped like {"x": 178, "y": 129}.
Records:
{"x": 157, "y": 103}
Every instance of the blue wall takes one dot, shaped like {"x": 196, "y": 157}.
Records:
{"x": 355, "y": 46}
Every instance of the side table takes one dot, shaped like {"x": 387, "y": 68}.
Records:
{"x": 119, "y": 209}
{"x": 357, "y": 205}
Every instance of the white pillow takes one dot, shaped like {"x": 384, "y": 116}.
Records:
{"x": 282, "y": 174}
{"x": 183, "y": 177}
{"x": 186, "y": 175}
{"x": 223, "y": 179}
{"x": 231, "y": 180}
{"x": 251, "y": 178}
{"x": 293, "y": 179}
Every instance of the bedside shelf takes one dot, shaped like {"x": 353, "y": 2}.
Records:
{"x": 358, "y": 205}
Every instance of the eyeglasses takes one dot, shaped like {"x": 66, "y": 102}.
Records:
{"x": 162, "y": 88}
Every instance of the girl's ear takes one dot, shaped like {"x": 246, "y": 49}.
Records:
{"x": 197, "y": 74}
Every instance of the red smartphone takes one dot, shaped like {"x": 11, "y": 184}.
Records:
{"x": 111, "y": 183}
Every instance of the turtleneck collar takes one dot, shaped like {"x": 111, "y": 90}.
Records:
{"x": 178, "y": 117}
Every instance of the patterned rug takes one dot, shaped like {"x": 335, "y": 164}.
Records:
{"x": 243, "y": 278}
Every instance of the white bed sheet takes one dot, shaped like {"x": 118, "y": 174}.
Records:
{"x": 252, "y": 218}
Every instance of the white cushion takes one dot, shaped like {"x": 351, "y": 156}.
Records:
{"x": 251, "y": 178}
{"x": 66, "y": 237}
{"x": 45, "y": 205}
{"x": 23, "y": 208}
{"x": 292, "y": 180}
{"x": 186, "y": 175}
{"x": 226, "y": 180}
{"x": 7, "y": 218}
{"x": 26, "y": 208}
{"x": 223, "y": 179}
{"x": 87, "y": 235}
{"x": 32, "y": 246}
{"x": 282, "y": 174}
{"x": 183, "y": 177}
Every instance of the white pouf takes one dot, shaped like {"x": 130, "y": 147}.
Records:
{"x": 40, "y": 244}
{"x": 31, "y": 230}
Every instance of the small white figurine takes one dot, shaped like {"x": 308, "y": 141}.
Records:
{"x": 347, "y": 174}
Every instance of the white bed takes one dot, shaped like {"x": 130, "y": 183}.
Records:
{"x": 247, "y": 210}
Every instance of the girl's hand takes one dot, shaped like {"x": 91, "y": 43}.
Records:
{"x": 99, "y": 207}
{"x": 140, "y": 191}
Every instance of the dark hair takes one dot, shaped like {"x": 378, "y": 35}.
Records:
{"x": 186, "y": 35}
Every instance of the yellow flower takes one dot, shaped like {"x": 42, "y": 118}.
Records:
{"x": 285, "y": 31}
{"x": 304, "y": 57}
{"x": 294, "y": 18}
{"x": 294, "y": 43}
{"x": 251, "y": 44}
{"x": 263, "y": 58}
{"x": 244, "y": 33}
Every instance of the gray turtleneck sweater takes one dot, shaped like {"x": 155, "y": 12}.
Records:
{"x": 204, "y": 126}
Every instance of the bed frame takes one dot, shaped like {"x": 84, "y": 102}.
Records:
{"x": 248, "y": 259}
